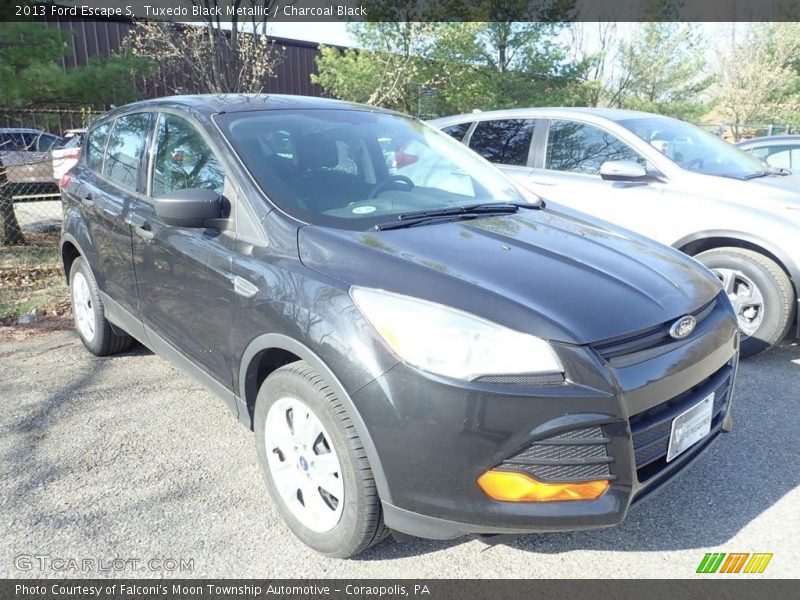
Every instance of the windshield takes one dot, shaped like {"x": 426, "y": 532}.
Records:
{"x": 694, "y": 149}
{"x": 355, "y": 169}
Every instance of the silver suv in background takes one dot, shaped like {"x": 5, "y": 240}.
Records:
{"x": 666, "y": 179}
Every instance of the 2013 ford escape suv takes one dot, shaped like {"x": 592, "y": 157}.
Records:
{"x": 417, "y": 345}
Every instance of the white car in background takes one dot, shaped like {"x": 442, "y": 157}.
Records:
{"x": 668, "y": 180}
{"x": 66, "y": 155}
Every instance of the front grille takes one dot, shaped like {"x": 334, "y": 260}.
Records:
{"x": 632, "y": 348}
{"x": 573, "y": 455}
{"x": 651, "y": 429}
{"x": 523, "y": 379}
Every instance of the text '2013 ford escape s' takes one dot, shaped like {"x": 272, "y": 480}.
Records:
{"x": 417, "y": 346}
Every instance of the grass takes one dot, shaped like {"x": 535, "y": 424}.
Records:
{"x": 32, "y": 279}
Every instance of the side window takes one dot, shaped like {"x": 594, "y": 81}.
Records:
{"x": 581, "y": 148}
{"x": 505, "y": 142}
{"x": 46, "y": 142}
{"x": 124, "y": 150}
{"x": 458, "y": 131}
{"x": 183, "y": 160}
{"x": 95, "y": 145}
{"x": 786, "y": 157}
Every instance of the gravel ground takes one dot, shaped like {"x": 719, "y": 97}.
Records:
{"x": 126, "y": 457}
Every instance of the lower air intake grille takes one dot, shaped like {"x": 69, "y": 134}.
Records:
{"x": 573, "y": 455}
{"x": 523, "y": 379}
{"x": 651, "y": 429}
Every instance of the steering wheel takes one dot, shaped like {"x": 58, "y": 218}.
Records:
{"x": 695, "y": 162}
{"x": 382, "y": 185}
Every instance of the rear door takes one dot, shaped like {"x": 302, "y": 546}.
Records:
{"x": 506, "y": 143}
{"x": 111, "y": 181}
{"x": 184, "y": 274}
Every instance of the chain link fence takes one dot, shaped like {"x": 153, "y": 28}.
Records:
{"x": 36, "y": 148}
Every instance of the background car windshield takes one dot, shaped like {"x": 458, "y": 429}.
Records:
{"x": 694, "y": 149}
{"x": 354, "y": 169}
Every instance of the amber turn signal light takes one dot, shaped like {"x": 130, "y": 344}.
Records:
{"x": 512, "y": 486}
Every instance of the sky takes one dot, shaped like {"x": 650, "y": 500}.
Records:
{"x": 324, "y": 33}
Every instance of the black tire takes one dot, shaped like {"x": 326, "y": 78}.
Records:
{"x": 361, "y": 523}
{"x": 776, "y": 290}
{"x": 106, "y": 340}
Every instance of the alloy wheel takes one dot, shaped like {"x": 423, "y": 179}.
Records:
{"x": 746, "y": 297}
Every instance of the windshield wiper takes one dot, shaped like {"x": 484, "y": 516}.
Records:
{"x": 472, "y": 211}
{"x": 758, "y": 174}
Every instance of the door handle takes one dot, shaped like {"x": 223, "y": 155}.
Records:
{"x": 243, "y": 287}
{"x": 144, "y": 231}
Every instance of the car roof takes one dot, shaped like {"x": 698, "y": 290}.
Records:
{"x": 21, "y": 130}
{"x": 770, "y": 140}
{"x": 610, "y": 114}
{"x": 211, "y": 104}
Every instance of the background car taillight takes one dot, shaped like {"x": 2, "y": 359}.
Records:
{"x": 66, "y": 178}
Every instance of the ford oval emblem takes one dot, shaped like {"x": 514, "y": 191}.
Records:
{"x": 683, "y": 327}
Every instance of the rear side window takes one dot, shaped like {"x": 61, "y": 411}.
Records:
{"x": 95, "y": 146}
{"x": 124, "y": 150}
{"x": 581, "y": 148}
{"x": 784, "y": 157}
{"x": 458, "y": 131}
{"x": 46, "y": 142}
{"x": 505, "y": 142}
{"x": 183, "y": 159}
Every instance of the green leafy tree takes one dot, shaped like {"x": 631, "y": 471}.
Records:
{"x": 468, "y": 65}
{"x": 31, "y": 73}
{"x": 388, "y": 68}
{"x": 662, "y": 69}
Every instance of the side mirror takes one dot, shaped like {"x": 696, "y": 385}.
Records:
{"x": 188, "y": 208}
{"x": 622, "y": 170}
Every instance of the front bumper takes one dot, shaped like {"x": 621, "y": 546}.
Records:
{"x": 436, "y": 436}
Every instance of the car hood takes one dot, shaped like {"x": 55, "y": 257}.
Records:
{"x": 538, "y": 271}
{"x": 773, "y": 192}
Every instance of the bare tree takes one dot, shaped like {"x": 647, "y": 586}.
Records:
{"x": 227, "y": 53}
{"x": 758, "y": 78}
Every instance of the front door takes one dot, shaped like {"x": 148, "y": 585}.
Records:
{"x": 183, "y": 273}
{"x": 572, "y": 157}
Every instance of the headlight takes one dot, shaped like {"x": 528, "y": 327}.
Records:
{"x": 450, "y": 342}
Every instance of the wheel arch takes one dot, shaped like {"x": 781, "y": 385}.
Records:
{"x": 269, "y": 352}
{"x": 696, "y": 243}
{"x": 708, "y": 240}
{"x": 76, "y": 241}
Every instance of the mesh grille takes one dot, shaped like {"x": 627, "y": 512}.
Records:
{"x": 564, "y": 472}
{"x": 561, "y": 452}
{"x": 586, "y": 432}
{"x": 523, "y": 379}
{"x": 574, "y": 455}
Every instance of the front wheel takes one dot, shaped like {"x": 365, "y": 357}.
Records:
{"x": 760, "y": 292}
{"x": 314, "y": 464}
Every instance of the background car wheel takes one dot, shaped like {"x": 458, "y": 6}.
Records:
{"x": 761, "y": 294}
{"x": 314, "y": 464}
{"x": 95, "y": 331}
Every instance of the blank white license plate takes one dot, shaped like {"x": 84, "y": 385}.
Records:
{"x": 690, "y": 427}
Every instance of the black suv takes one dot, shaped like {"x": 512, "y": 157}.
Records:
{"x": 418, "y": 345}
